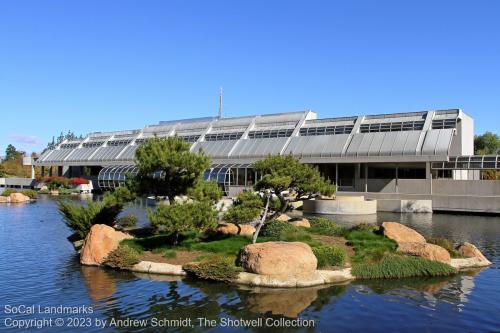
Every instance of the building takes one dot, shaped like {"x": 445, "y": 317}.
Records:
{"x": 369, "y": 153}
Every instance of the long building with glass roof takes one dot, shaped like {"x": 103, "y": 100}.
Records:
{"x": 347, "y": 150}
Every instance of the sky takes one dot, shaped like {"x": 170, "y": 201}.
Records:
{"x": 104, "y": 65}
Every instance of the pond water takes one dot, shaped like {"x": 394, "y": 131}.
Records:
{"x": 38, "y": 267}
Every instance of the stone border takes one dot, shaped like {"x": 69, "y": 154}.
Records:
{"x": 466, "y": 263}
{"x": 151, "y": 267}
{"x": 319, "y": 277}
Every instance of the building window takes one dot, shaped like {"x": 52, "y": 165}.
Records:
{"x": 444, "y": 123}
{"x": 325, "y": 130}
{"x": 282, "y": 133}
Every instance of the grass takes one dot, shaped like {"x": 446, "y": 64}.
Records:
{"x": 395, "y": 266}
{"x": 369, "y": 246}
{"x": 228, "y": 246}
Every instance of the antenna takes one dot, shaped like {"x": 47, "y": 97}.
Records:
{"x": 220, "y": 102}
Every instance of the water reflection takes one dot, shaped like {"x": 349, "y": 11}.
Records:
{"x": 99, "y": 283}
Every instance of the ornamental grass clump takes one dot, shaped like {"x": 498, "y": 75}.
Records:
{"x": 330, "y": 256}
{"x": 214, "y": 268}
{"x": 30, "y": 193}
{"x": 394, "y": 266}
{"x": 127, "y": 221}
{"x": 275, "y": 229}
{"x": 7, "y": 192}
{"x": 325, "y": 226}
{"x": 123, "y": 257}
{"x": 446, "y": 244}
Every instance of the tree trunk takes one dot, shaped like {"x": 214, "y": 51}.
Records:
{"x": 261, "y": 222}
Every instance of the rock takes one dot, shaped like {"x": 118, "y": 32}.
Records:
{"x": 4, "y": 199}
{"x": 18, "y": 197}
{"x": 233, "y": 229}
{"x": 158, "y": 268}
{"x": 297, "y": 204}
{"x": 100, "y": 241}
{"x": 401, "y": 234}
{"x": 425, "y": 250}
{"x": 278, "y": 258}
{"x": 469, "y": 250}
{"x": 54, "y": 192}
{"x": 303, "y": 222}
{"x": 468, "y": 263}
{"x": 283, "y": 217}
{"x": 78, "y": 245}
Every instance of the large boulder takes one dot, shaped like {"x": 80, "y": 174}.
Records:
{"x": 4, "y": 199}
{"x": 469, "y": 250}
{"x": 278, "y": 258}
{"x": 100, "y": 241}
{"x": 18, "y": 197}
{"x": 426, "y": 251}
{"x": 233, "y": 229}
{"x": 300, "y": 222}
{"x": 284, "y": 218}
{"x": 401, "y": 234}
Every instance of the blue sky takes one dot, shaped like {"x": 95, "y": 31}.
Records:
{"x": 109, "y": 65}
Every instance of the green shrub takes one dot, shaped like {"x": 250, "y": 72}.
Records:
{"x": 395, "y": 266}
{"x": 329, "y": 255}
{"x": 127, "y": 221}
{"x": 67, "y": 191}
{"x": 214, "y": 268}
{"x": 7, "y": 192}
{"x": 325, "y": 226}
{"x": 81, "y": 218}
{"x": 445, "y": 243}
{"x": 365, "y": 227}
{"x": 369, "y": 246}
{"x": 123, "y": 257}
{"x": 177, "y": 218}
{"x": 30, "y": 193}
{"x": 274, "y": 229}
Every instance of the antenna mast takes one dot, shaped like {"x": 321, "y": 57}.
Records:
{"x": 220, "y": 102}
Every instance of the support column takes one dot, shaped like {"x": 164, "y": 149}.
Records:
{"x": 428, "y": 175}
{"x": 337, "y": 175}
{"x": 366, "y": 177}
{"x": 397, "y": 178}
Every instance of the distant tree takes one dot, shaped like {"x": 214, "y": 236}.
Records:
{"x": 11, "y": 152}
{"x": 487, "y": 144}
{"x": 2, "y": 171}
{"x": 168, "y": 168}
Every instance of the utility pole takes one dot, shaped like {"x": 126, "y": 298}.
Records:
{"x": 220, "y": 102}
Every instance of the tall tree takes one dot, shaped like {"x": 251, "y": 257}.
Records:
{"x": 168, "y": 168}
{"x": 11, "y": 152}
{"x": 487, "y": 144}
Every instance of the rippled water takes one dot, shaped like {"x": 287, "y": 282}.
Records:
{"x": 38, "y": 266}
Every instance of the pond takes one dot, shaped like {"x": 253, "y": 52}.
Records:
{"x": 39, "y": 270}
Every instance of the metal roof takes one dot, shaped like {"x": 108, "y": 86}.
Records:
{"x": 416, "y": 135}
